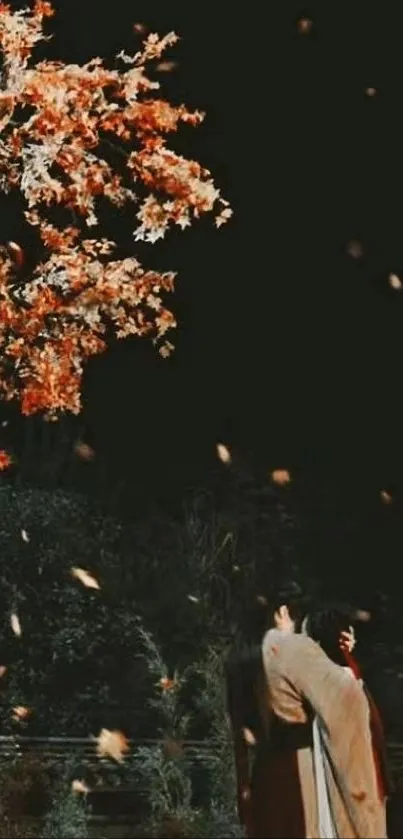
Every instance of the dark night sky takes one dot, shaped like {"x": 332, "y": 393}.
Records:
{"x": 287, "y": 346}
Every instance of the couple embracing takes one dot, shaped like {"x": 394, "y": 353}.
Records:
{"x": 318, "y": 766}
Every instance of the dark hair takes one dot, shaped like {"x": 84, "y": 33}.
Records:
{"x": 290, "y": 595}
{"x": 244, "y": 668}
{"x": 325, "y": 626}
{"x": 260, "y": 616}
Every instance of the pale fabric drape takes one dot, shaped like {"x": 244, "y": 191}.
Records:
{"x": 326, "y": 823}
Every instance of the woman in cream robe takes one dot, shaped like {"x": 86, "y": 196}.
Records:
{"x": 300, "y": 683}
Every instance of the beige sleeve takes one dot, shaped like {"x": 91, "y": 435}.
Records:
{"x": 341, "y": 705}
{"x": 328, "y": 688}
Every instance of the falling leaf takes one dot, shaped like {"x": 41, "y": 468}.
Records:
{"x": 362, "y": 615}
{"x": 223, "y": 217}
{"x": 386, "y": 497}
{"x": 20, "y": 712}
{"x": 15, "y": 624}
{"x": 112, "y": 744}
{"x": 172, "y": 827}
{"x": 84, "y": 451}
{"x": 261, "y": 600}
{"x": 166, "y": 66}
{"x": 229, "y": 537}
{"x": 140, "y": 28}
{"x": 249, "y": 737}
{"x": 3, "y": 670}
{"x": 193, "y": 599}
{"x": 173, "y": 749}
{"x": 395, "y": 282}
{"x": 236, "y": 568}
{"x": 304, "y": 25}
{"x": 281, "y": 477}
{"x": 24, "y": 536}
{"x": 5, "y": 460}
{"x": 80, "y": 786}
{"x": 166, "y": 683}
{"x": 16, "y": 253}
{"x": 370, "y": 91}
{"x": 223, "y": 453}
{"x": 166, "y": 349}
{"x": 6, "y": 110}
{"x": 85, "y": 578}
{"x": 355, "y": 249}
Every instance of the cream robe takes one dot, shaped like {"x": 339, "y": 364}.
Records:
{"x": 298, "y": 673}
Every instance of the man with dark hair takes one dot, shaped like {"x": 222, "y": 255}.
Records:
{"x": 325, "y": 625}
{"x": 296, "y": 683}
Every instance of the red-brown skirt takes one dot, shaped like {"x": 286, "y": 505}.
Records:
{"x": 276, "y": 808}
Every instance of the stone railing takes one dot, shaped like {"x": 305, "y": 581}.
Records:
{"x": 115, "y": 809}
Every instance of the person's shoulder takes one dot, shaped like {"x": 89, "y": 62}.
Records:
{"x": 276, "y": 640}
{"x": 285, "y": 638}
{"x": 306, "y": 647}
{"x": 287, "y": 647}
{"x": 304, "y": 642}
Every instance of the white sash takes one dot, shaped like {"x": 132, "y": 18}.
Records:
{"x": 326, "y": 823}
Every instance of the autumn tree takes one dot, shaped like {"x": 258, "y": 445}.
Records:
{"x": 73, "y": 140}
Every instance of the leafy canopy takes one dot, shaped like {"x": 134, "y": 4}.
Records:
{"x": 73, "y": 140}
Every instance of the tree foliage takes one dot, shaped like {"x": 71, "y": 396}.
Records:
{"x": 192, "y": 578}
{"x": 75, "y": 139}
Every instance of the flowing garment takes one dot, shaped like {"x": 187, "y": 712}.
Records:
{"x": 301, "y": 684}
{"x": 326, "y": 823}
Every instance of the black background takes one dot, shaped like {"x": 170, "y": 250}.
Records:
{"x": 286, "y": 345}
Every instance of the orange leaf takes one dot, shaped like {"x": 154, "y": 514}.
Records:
{"x": 166, "y": 683}
{"x": 249, "y": 737}
{"x": 20, "y": 712}
{"x": 386, "y": 497}
{"x": 5, "y": 460}
{"x": 85, "y": 578}
{"x": 370, "y": 91}
{"x": 281, "y": 477}
{"x": 304, "y": 25}
{"x": 112, "y": 744}
{"x": 3, "y": 670}
{"x": 84, "y": 451}
{"x": 80, "y": 786}
{"x": 16, "y": 253}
